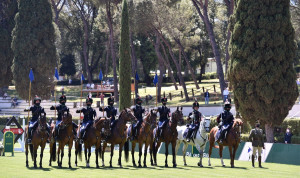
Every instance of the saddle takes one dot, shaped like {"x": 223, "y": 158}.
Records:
{"x": 193, "y": 135}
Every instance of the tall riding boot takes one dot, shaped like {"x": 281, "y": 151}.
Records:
{"x": 29, "y": 135}
{"x": 56, "y": 132}
{"x": 188, "y": 135}
{"x": 49, "y": 134}
{"x": 253, "y": 160}
{"x": 259, "y": 161}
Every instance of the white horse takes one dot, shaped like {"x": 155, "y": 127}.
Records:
{"x": 199, "y": 142}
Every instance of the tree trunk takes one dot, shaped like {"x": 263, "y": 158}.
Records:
{"x": 167, "y": 64}
{"x": 161, "y": 67}
{"x": 187, "y": 62}
{"x": 134, "y": 64}
{"x": 107, "y": 58}
{"x": 85, "y": 50}
{"x": 213, "y": 43}
{"x": 176, "y": 64}
{"x": 202, "y": 71}
{"x": 180, "y": 64}
{"x": 113, "y": 55}
{"x": 230, "y": 7}
{"x": 269, "y": 129}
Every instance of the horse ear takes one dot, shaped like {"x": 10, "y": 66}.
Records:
{"x": 125, "y": 109}
{"x": 181, "y": 108}
{"x": 177, "y": 108}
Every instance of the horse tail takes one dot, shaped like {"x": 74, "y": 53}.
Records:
{"x": 80, "y": 151}
{"x": 53, "y": 152}
{"x": 31, "y": 151}
{"x": 126, "y": 150}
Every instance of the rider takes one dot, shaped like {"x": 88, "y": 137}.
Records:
{"x": 37, "y": 111}
{"x": 164, "y": 113}
{"x": 61, "y": 108}
{"x": 138, "y": 113}
{"x": 195, "y": 116}
{"x": 110, "y": 110}
{"x": 89, "y": 115}
{"x": 226, "y": 123}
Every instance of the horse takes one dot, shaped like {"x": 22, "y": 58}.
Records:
{"x": 93, "y": 136}
{"x": 39, "y": 138}
{"x": 232, "y": 141}
{"x": 145, "y": 136}
{"x": 169, "y": 134}
{"x": 119, "y": 136}
{"x": 65, "y": 137}
{"x": 199, "y": 141}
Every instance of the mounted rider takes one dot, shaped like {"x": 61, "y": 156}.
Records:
{"x": 195, "y": 118}
{"x": 88, "y": 119}
{"x": 225, "y": 120}
{"x": 138, "y": 113}
{"x": 37, "y": 111}
{"x": 110, "y": 110}
{"x": 61, "y": 109}
{"x": 164, "y": 113}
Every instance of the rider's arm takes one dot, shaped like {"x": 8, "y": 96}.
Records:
{"x": 43, "y": 111}
{"x": 28, "y": 109}
{"x": 219, "y": 119}
{"x": 95, "y": 114}
{"x": 251, "y": 135}
{"x": 54, "y": 107}
{"x": 80, "y": 110}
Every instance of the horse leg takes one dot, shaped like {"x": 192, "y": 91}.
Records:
{"x": 140, "y": 153}
{"x": 151, "y": 152}
{"x": 35, "y": 147}
{"x": 41, "y": 156}
{"x": 201, "y": 154}
{"x": 233, "y": 154}
{"x": 221, "y": 155}
{"x": 166, "y": 153}
{"x": 96, "y": 153}
{"x": 89, "y": 155}
{"x": 111, "y": 154}
{"x": 58, "y": 153}
{"x": 76, "y": 153}
{"x": 104, "y": 147}
{"x": 155, "y": 152}
{"x": 26, "y": 153}
{"x": 120, "y": 155}
{"x": 85, "y": 155}
{"x": 69, "y": 154}
{"x": 184, "y": 148}
{"x": 209, "y": 153}
{"x": 132, "y": 153}
{"x": 173, "y": 153}
{"x": 62, "y": 155}
{"x": 145, "y": 154}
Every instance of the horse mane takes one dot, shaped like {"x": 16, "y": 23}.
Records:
{"x": 237, "y": 121}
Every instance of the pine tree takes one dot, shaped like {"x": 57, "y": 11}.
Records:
{"x": 125, "y": 61}
{"x": 8, "y": 10}
{"x": 262, "y": 51}
{"x": 34, "y": 47}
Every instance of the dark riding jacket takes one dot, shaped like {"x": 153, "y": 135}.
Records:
{"x": 36, "y": 112}
{"x": 60, "y": 110}
{"x": 227, "y": 119}
{"x": 111, "y": 112}
{"x": 89, "y": 114}
{"x": 164, "y": 112}
{"x": 195, "y": 117}
{"x": 138, "y": 111}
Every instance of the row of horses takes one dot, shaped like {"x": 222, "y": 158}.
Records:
{"x": 100, "y": 134}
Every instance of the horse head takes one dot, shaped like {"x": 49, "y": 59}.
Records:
{"x": 103, "y": 125}
{"x": 127, "y": 115}
{"x": 177, "y": 116}
{"x": 152, "y": 118}
{"x": 42, "y": 123}
{"x": 66, "y": 120}
{"x": 238, "y": 125}
{"x": 205, "y": 124}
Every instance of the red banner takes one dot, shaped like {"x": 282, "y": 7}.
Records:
{"x": 18, "y": 131}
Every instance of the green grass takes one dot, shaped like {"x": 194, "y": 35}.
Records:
{"x": 15, "y": 167}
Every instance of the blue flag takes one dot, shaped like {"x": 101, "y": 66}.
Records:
{"x": 56, "y": 74}
{"x": 82, "y": 78}
{"x": 100, "y": 75}
{"x": 249, "y": 149}
{"x": 31, "y": 76}
{"x": 137, "y": 76}
{"x": 155, "y": 79}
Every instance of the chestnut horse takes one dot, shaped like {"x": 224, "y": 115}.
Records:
{"x": 94, "y": 135}
{"x": 145, "y": 136}
{"x": 169, "y": 135}
{"x": 66, "y": 137}
{"x": 119, "y": 136}
{"x": 39, "y": 138}
{"x": 232, "y": 141}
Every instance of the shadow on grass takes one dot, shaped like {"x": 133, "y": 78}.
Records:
{"x": 171, "y": 167}
{"x": 66, "y": 168}
{"x": 204, "y": 167}
{"x": 38, "y": 168}
{"x": 233, "y": 168}
{"x": 137, "y": 168}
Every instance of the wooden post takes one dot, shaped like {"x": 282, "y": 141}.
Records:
{"x": 55, "y": 102}
{"x": 181, "y": 94}
{"x": 215, "y": 88}
{"x": 193, "y": 92}
{"x": 29, "y": 102}
{"x": 80, "y": 102}
{"x": 170, "y": 94}
{"x": 101, "y": 98}
{"x": 156, "y": 95}
{"x": 203, "y": 89}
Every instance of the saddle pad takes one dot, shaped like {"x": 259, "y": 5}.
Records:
{"x": 218, "y": 134}
{"x": 185, "y": 132}
{"x": 129, "y": 131}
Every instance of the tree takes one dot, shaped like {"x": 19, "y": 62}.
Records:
{"x": 67, "y": 65}
{"x": 262, "y": 51}
{"x": 33, "y": 47}
{"x": 8, "y": 9}
{"x": 125, "y": 60}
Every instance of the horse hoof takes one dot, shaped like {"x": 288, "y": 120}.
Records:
{"x": 97, "y": 167}
{"x": 185, "y": 164}
{"x": 103, "y": 165}
{"x": 110, "y": 166}
{"x": 75, "y": 165}
{"x": 140, "y": 166}
{"x": 70, "y": 167}
{"x": 121, "y": 166}
{"x": 174, "y": 165}
{"x": 223, "y": 165}
{"x": 152, "y": 164}
{"x": 41, "y": 167}
{"x": 27, "y": 166}
{"x": 145, "y": 165}
{"x": 166, "y": 165}
{"x": 232, "y": 166}
{"x": 134, "y": 165}
{"x": 209, "y": 164}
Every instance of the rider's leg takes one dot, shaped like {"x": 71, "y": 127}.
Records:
{"x": 139, "y": 123}
{"x": 75, "y": 126}
{"x": 190, "y": 131}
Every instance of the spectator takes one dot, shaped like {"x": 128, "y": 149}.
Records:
{"x": 62, "y": 90}
{"x": 225, "y": 94}
{"x": 288, "y": 136}
{"x": 5, "y": 95}
{"x": 90, "y": 95}
{"x": 14, "y": 102}
{"x": 229, "y": 99}
{"x": 92, "y": 86}
{"x": 70, "y": 81}
{"x": 102, "y": 99}
{"x": 298, "y": 81}
{"x": 206, "y": 96}
{"x": 88, "y": 86}
{"x": 257, "y": 139}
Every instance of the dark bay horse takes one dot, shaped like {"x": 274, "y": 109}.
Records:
{"x": 169, "y": 135}
{"x": 99, "y": 130}
{"x": 145, "y": 136}
{"x": 232, "y": 141}
{"x": 39, "y": 138}
{"x": 119, "y": 136}
{"x": 65, "y": 137}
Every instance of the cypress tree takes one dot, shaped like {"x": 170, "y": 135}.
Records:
{"x": 125, "y": 61}
{"x": 8, "y": 10}
{"x": 34, "y": 47}
{"x": 262, "y": 51}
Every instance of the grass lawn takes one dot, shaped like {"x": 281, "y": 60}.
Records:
{"x": 15, "y": 167}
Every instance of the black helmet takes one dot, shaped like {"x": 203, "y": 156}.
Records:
{"x": 89, "y": 100}
{"x": 36, "y": 98}
{"x": 62, "y": 98}
{"x": 164, "y": 99}
{"x": 138, "y": 99}
{"x": 111, "y": 100}
{"x": 196, "y": 104}
{"x": 227, "y": 105}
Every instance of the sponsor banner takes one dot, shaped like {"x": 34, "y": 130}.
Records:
{"x": 246, "y": 154}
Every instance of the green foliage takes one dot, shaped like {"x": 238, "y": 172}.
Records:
{"x": 125, "y": 61}
{"x": 262, "y": 51}
{"x": 67, "y": 65}
{"x": 8, "y": 9}
{"x": 33, "y": 47}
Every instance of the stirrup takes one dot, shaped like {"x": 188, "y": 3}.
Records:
{"x": 80, "y": 141}
{"x": 29, "y": 141}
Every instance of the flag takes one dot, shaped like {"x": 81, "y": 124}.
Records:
{"x": 56, "y": 74}
{"x": 249, "y": 149}
{"x": 82, "y": 78}
{"x": 31, "y": 76}
{"x": 155, "y": 79}
{"x": 137, "y": 76}
{"x": 100, "y": 75}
